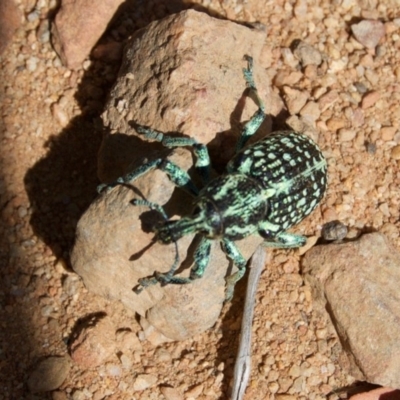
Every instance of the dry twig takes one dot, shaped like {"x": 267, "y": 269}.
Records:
{"x": 243, "y": 359}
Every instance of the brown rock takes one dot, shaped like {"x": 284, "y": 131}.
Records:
{"x": 78, "y": 26}
{"x": 10, "y": 20}
{"x": 181, "y": 87}
{"x": 94, "y": 343}
{"x": 370, "y": 99}
{"x": 357, "y": 282}
{"x": 49, "y": 374}
{"x": 191, "y": 82}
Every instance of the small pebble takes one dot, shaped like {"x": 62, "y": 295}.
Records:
{"x": 144, "y": 381}
{"x": 346, "y": 135}
{"x": 334, "y": 124}
{"x": 361, "y": 88}
{"x": 307, "y": 54}
{"x": 388, "y": 132}
{"x": 195, "y": 391}
{"x": 328, "y": 99}
{"x": 295, "y": 99}
{"x": 311, "y": 111}
{"x": 49, "y": 374}
{"x": 396, "y": 153}
{"x": 370, "y": 99}
{"x": 273, "y": 387}
{"x": 171, "y": 393}
{"x": 334, "y": 230}
{"x": 78, "y": 395}
{"x": 33, "y": 16}
{"x": 368, "y": 32}
{"x": 113, "y": 370}
{"x": 22, "y": 212}
{"x": 371, "y": 148}
{"x": 126, "y": 361}
{"x": 31, "y": 64}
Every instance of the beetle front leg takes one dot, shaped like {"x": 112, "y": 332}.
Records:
{"x": 177, "y": 175}
{"x": 234, "y": 254}
{"x": 146, "y": 282}
{"x": 200, "y": 150}
{"x": 201, "y": 260}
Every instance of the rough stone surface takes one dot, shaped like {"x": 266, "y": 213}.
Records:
{"x": 357, "y": 283}
{"x": 49, "y": 374}
{"x": 114, "y": 245}
{"x": 10, "y": 20}
{"x": 94, "y": 343}
{"x": 72, "y": 39}
{"x": 191, "y": 82}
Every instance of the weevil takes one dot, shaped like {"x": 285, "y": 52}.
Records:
{"x": 267, "y": 188}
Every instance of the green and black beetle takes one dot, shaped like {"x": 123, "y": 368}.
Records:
{"x": 267, "y": 188}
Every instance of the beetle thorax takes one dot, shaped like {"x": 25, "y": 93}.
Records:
{"x": 230, "y": 206}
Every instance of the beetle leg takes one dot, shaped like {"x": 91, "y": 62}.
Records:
{"x": 234, "y": 254}
{"x": 145, "y": 282}
{"x": 177, "y": 175}
{"x": 200, "y": 150}
{"x": 201, "y": 259}
{"x": 251, "y": 127}
{"x": 284, "y": 240}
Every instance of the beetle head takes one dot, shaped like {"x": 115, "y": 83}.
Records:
{"x": 204, "y": 220}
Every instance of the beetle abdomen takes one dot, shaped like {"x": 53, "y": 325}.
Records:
{"x": 292, "y": 171}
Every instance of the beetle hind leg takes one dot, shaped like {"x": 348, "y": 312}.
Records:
{"x": 251, "y": 127}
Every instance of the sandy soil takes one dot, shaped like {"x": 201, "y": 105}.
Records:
{"x": 49, "y": 133}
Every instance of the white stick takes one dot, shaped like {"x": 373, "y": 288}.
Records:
{"x": 243, "y": 360}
